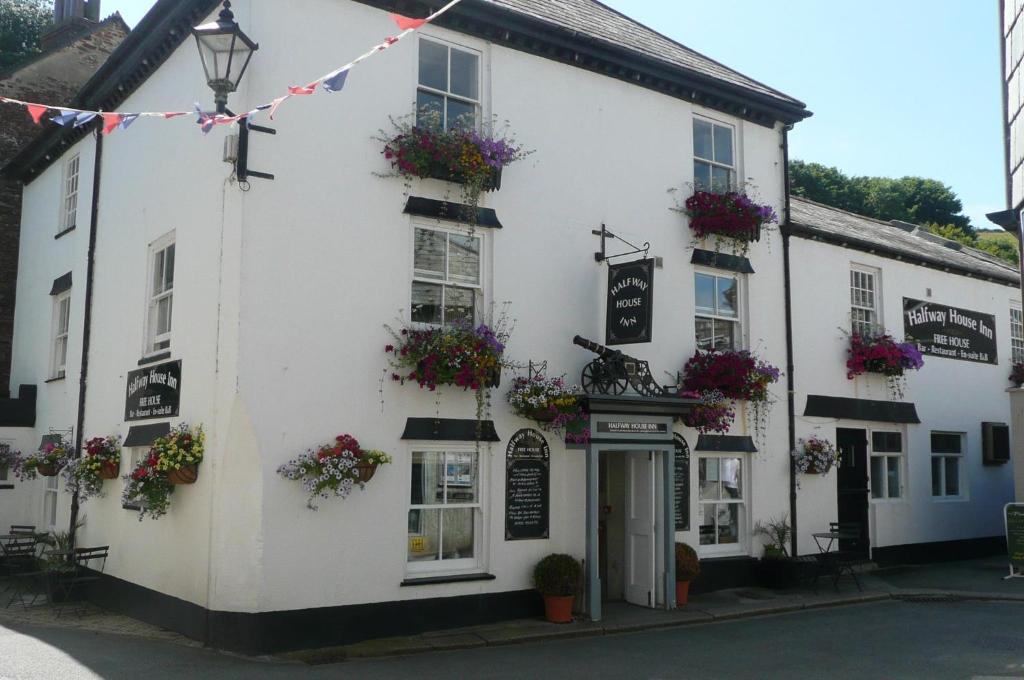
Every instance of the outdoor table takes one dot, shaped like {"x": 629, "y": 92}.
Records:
{"x": 842, "y": 560}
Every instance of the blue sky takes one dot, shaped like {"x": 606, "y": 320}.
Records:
{"x": 897, "y": 87}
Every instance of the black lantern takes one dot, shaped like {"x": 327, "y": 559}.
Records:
{"x": 225, "y": 51}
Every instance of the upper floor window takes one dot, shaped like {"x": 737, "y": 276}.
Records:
{"x": 714, "y": 161}
{"x": 886, "y": 465}
{"x": 446, "y": 286}
{"x": 1016, "y": 335}
{"x": 61, "y": 326}
{"x": 161, "y": 295}
{"x": 717, "y": 320}
{"x": 448, "y": 94}
{"x": 947, "y": 459}
{"x": 69, "y": 195}
{"x": 864, "y": 311}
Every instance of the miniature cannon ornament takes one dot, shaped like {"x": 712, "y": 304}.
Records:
{"x": 612, "y": 372}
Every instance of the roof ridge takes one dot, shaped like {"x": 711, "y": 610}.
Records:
{"x": 884, "y": 223}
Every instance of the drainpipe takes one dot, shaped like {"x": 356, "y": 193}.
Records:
{"x": 87, "y": 322}
{"x": 790, "y": 379}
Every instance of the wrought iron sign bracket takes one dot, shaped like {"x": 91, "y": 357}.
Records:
{"x": 242, "y": 171}
{"x": 602, "y": 256}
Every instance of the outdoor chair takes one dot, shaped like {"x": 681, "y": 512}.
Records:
{"x": 844, "y": 560}
{"x": 88, "y": 566}
{"x": 21, "y": 568}
{"x": 23, "y": 529}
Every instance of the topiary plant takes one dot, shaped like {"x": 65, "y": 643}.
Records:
{"x": 557, "y": 574}
{"x": 687, "y": 563}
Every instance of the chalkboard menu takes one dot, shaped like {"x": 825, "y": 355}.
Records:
{"x": 1015, "y": 535}
{"x": 153, "y": 392}
{"x": 950, "y": 332}
{"x": 527, "y": 486}
{"x": 630, "y": 302}
{"x": 681, "y": 478}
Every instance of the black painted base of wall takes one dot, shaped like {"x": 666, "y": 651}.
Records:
{"x": 282, "y": 631}
{"x": 942, "y": 551}
{"x": 725, "y": 572}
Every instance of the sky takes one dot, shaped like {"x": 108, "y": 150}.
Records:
{"x": 897, "y": 87}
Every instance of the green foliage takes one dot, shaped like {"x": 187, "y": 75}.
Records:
{"x": 557, "y": 574}
{"x": 953, "y": 233}
{"x": 687, "y": 563}
{"x": 21, "y": 24}
{"x": 777, "y": 532}
{"x": 999, "y": 243}
{"x": 911, "y": 199}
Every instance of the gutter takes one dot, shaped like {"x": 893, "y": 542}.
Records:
{"x": 790, "y": 379}
{"x": 83, "y": 377}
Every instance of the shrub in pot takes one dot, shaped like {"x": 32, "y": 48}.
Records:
{"x": 556, "y": 577}
{"x": 776, "y": 568}
{"x": 687, "y": 569}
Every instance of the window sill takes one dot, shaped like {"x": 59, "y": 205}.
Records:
{"x": 153, "y": 358}
{"x": 436, "y": 580}
{"x": 62, "y": 233}
{"x": 950, "y": 499}
{"x": 55, "y": 379}
{"x": 6, "y": 486}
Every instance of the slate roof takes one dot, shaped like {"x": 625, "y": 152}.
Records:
{"x": 910, "y": 243}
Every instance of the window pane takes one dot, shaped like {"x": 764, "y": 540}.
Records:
{"x": 429, "y": 110}
{"x": 708, "y": 474}
{"x": 721, "y": 179}
{"x": 169, "y": 267}
{"x": 728, "y": 523}
{"x": 936, "y": 475}
{"x": 723, "y": 145}
{"x": 705, "y": 333}
{"x": 465, "y": 81}
{"x": 433, "y": 65}
{"x": 426, "y": 303}
{"x": 946, "y": 443}
{"x": 163, "y": 316}
{"x": 893, "y": 470}
{"x": 158, "y": 273}
{"x": 704, "y": 289}
{"x": 725, "y": 334}
{"x": 429, "y": 254}
{"x": 457, "y": 533}
{"x": 427, "y": 480}
{"x": 886, "y": 442}
{"x": 728, "y": 294}
{"x": 701, "y": 176}
{"x": 706, "y": 520}
{"x": 424, "y": 530}
{"x": 877, "y": 477}
{"x": 461, "y": 114}
{"x": 702, "y": 144}
{"x": 459, "y": 305}
{"x": 460, "y": 476}
{"x": 464, "y": 259}
{"x": 952, "y": 476}
{"x": 732, "y": 477}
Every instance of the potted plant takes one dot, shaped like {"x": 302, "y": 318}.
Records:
{"x": 47, "y": 462}
{"x": 553, "y": 405}
{"x": 881, "y": 354}
{"x": 738, "y": 375}
{"x": 148, "y": 487}
{"x": 714, "y": 413}
{"x": 179, "y": 453}
{"x": 333, "y": 469}
{"x": 687, "y": 569}
{"x": 557, "y": 577}
{"x": 732, "y": 218}
{"x": 815, "y": 456}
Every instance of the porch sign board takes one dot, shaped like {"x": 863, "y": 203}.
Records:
{"x": 527, "y": 487}
{"x": 630, "y": 302}
{"x": 1014, "y": 520}
{"x": 950, "y": 332}
{"x": 153, "y": 392}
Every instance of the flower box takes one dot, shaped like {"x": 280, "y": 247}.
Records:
{"x": 183, "y": 475}
{"x": 732, "y": 216}
{"x": 108, "y": 470}
{"x": 48, "y": 469}
{"x": 491, "y": 183}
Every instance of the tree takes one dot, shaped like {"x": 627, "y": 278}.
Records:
{"x": 21, "y": 24}
{"x": 911, "y": 199}
{"x": 1000, "y": 244}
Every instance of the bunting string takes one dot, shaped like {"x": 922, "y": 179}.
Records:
{"x": 207, "y": 120}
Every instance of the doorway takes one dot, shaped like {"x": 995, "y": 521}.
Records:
{"x": 852, "y": 489}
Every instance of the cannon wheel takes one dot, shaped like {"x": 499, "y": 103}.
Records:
{"x": 595, "y": 380}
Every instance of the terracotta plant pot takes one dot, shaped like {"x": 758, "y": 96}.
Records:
{"x": 364, "y": 471}
{"x": 108, "y": 470}
{"x": 47, "y": 469}
{"x": 558, "y": 608}
{"x": 682, "y": 593}
{"x": 185, "y": 475}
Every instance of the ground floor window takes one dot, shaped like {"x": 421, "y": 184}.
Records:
{"x": 445, "y": 511}
{"x": 947, "y": 459}
{"x": 721, "y": 509}
{"x": 50, "y": 494}
{"x": 886, "y": 465}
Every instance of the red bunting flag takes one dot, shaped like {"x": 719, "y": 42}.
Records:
{"x": 174, "y": 114}
{"x": 111, "y": 121}
{"x": 307, "y": 89}
{"x": 406, "y": 23}
{"x": 36, "y": 111}
{"x": 273, "y": 106}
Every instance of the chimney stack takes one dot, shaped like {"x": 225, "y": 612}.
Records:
{"x": 67, "y": 16}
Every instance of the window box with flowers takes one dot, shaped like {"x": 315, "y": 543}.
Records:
{"x": 334, "y": 469}
{"x": 48, "y": 461}
{"x": 732, "y": 218}
{"x": 101, "y": 460}
{"x": 553, "y": 405}
{"x": 730, "y": 375}
{"x": 881, "y": 354}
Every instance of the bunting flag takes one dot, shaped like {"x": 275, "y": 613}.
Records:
{"x": 332, "y": 82}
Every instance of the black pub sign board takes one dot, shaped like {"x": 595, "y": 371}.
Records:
{"x": 950, "y": 332}
{"x": 681, "y": 479}
{"x": 630, "y": 302}
{"x": 153, "y": 392}
{"x": 527, "y": 486}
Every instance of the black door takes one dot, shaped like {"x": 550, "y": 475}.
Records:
{"x": 852, "y": 483}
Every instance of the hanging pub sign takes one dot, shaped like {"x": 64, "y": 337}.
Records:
{"x": 950, "y": 332}
{"x": 681, "y": 480}
{"x": 153, "y": 392}
{"x": 630, "y": 302}
{"x": 527, "y": 486}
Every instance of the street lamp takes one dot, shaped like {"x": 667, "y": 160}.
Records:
{"x": 222, "y": 47}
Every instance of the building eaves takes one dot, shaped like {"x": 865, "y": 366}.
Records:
{"x": 817, "y": 221}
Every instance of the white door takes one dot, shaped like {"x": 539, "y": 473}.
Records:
{"x": 640, "y": 537}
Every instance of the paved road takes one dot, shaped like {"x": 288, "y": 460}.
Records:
{"x": 883, "y": 640}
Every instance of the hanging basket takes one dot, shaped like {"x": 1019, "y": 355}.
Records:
{"x": 813, "y": 469}
{"x": 542, "y": 414}
{"x": 364, "y": 472}
{"x": 185, "y": 475}
{"x": 48, "y": 469}
{"x": 108, "y": 470}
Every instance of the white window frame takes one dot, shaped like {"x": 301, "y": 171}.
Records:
{"x": 448, "y": 94}
{"x": 733, "y": 169}
{"x": 875, "y": 309}
{"x": 961, "y": 469}
{"x": 478, "y": 288}
{"x": 1016, "y": 334}
{"x": 51, "y": 492}
{"x": 154, "y": 344}
{"x": 900, "y": 456}
{"x": 69, "y": 194}
{"x": 477, "y": 563}
{"x": 742, "y": 545}
{"x": 741, "y": 303}
{"x": 60, "y": 335}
